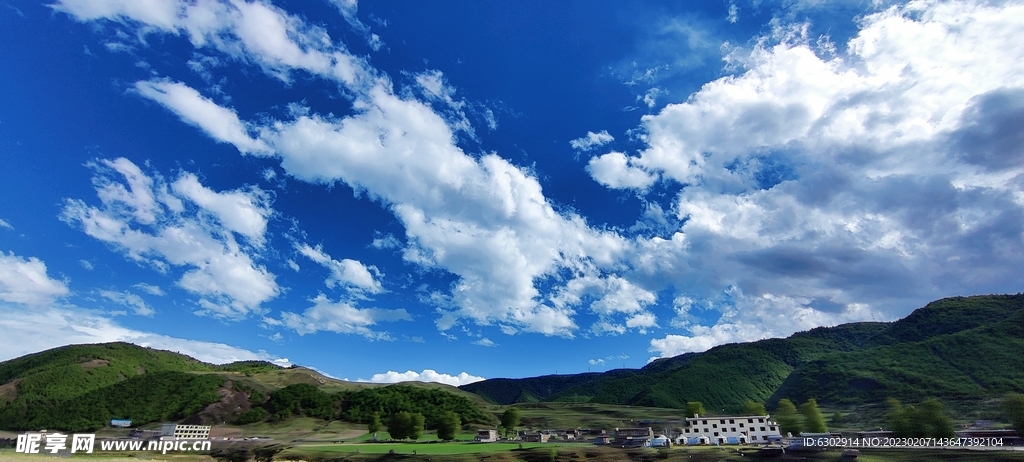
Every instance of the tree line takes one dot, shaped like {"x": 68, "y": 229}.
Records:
{"x": 406, "y": 411}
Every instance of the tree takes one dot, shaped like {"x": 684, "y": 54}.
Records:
{"x": 695, "y": 408}
{"x": 754, "y": 408}
{"x": 400, "y": 425}
{"x": 814, "y": 422}
{"x": 416, "y": 426}
{"x": 936, "y": 422}
{"x": 448, "y": 426}
{"x": 787, "y": 417}
{"x": 928, "y": 422}
{"x": 1013, "y": 407}
{"x": 510, "y": 420}
{"x": 836, "y": 419}
{"x": 897, "y": 415}
{"x": 373, "y": 426}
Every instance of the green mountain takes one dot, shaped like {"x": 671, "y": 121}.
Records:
{"x": 954, "y": 349}
{"x": 82, "y": 387}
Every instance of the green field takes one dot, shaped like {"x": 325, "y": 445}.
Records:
{"x": 434, "y": 448}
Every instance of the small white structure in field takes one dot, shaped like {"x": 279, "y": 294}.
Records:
{"x": 486, "y": 436}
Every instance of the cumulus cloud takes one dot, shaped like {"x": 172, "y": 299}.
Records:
{"x": 820, "y": 182}
{"x": 615, "y": 170}
{"x": 591, "y": 141}
{"x": 346, "y": 272}
{"x": 51, "y": 326}
{"x": 186, "y": 225}
{"x": 340, "y": 317}
{"x": 427, "y": 375}
{"x": 484, "y": 219}
{"x": 24, "y": 281}
{"x": 867, "y": 180}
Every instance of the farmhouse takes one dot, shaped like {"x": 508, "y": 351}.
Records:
{"x": 728, "y": 430}
{"x": 536, "y": 437}
{"x": 486, "y": 436}
{"x": 632, "y": 437}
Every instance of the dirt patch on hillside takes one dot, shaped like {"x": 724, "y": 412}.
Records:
{"x": 9, "y": 391}
{"x": 94, "y": 364}
{"x": 139, "y": 370}
{"x": 231, "y": 405}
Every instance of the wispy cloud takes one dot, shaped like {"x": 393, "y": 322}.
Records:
{"x": 128, "y": 299}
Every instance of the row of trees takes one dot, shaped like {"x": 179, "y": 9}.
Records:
{"x": 928, "y": 421}
{"x": 365, "y": 406}
{"x": 807, "y": 420}
{"x": 410, "y": 425}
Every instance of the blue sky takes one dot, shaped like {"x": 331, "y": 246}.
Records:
{"x": 454, "y": 190}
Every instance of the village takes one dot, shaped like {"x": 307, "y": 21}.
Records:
{"x": 697, "y": 430}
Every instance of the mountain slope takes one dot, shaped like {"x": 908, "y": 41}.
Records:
{"x": 954, "y": 348}
{"x": 82, "y": 387}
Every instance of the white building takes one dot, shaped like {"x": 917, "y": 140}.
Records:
{"x": 486, "y": 436}
{"x": 728, "y": 430}
{"x": 185, "y": 432}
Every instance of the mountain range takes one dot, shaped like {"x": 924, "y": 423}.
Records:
{"x": 958, "y": 348}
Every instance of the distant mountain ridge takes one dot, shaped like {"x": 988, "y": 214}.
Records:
{"x": 954, "y": 348}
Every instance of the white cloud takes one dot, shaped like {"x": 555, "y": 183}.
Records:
{"x": 220, "y": 123}
{"x": 427, "y": 375}
{"x": 592, "y": 140}
{"x": 5, "y": 224}
{"x": 340, "y": 317}
{"x": 348, "y": 9}
{"x": 596, "y": 362}
{"x": 386, "y": 241}
{"x": 25, "y": 281}
{"x": 835, "y": 179}
{"x": 862, "y": 181}
{"x": 133, "y": 301}
{"x": 482, "y": 219}
{"x": 51, "y": 326}
{"x": 86, "y": 264}
{"x": 150, "y": 224}
{"x": 244, "y": 212}
{"x": 149, "y": 289}
{"x": 246, "y": 31}
{"x": 485, "y": 342}
{"x": 615, "y": 170}
{"x": 734, "y": 13}
{"x": 346, "y": 272}
{"x": 755, "y": 318}
{"x": 609, "y": 297}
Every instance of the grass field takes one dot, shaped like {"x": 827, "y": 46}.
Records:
{"x": 435, "y": 448}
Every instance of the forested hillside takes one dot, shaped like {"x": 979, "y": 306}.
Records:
{"x": 955, "y": 348}
{"x": 82, "y": 387}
